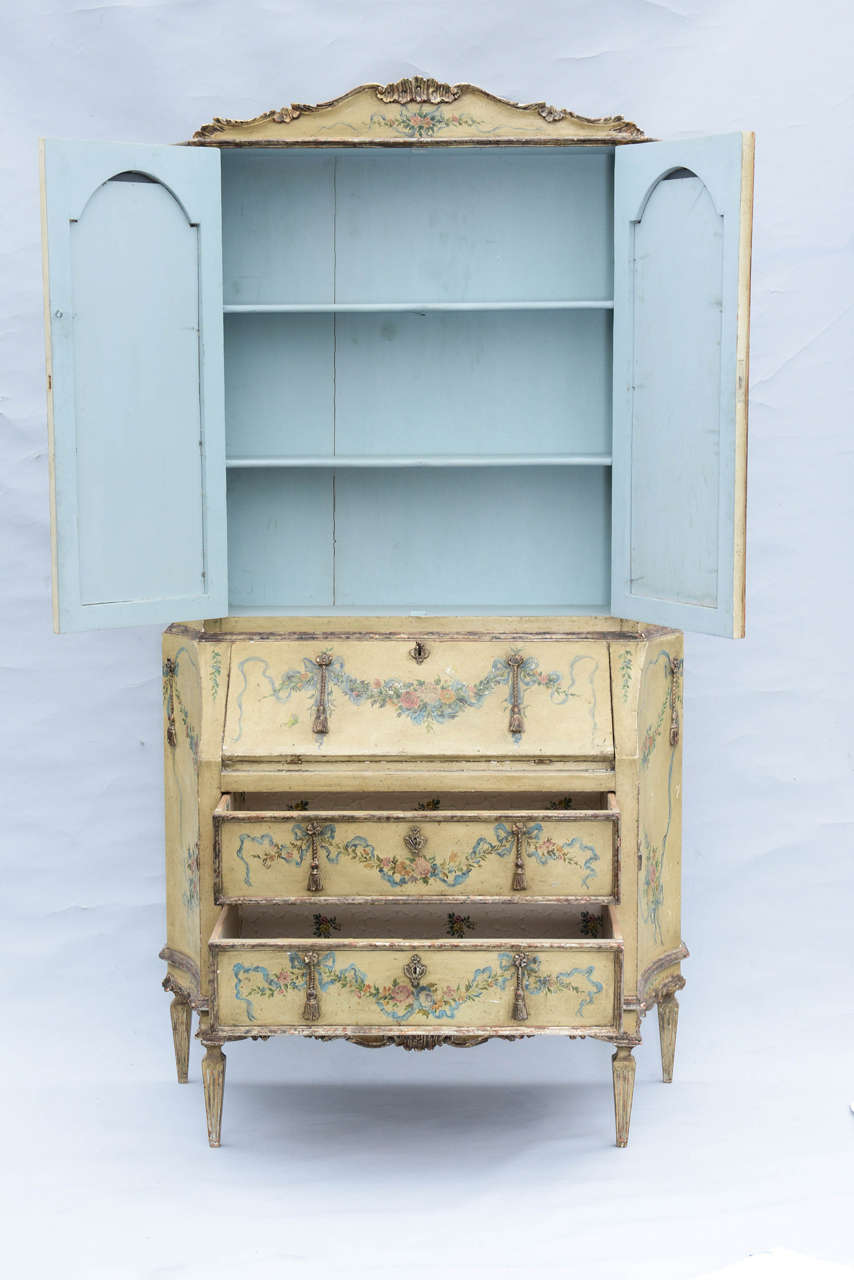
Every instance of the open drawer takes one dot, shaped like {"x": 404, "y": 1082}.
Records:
{"x": 375, "y": 968}
{"x": 505, "y": 846}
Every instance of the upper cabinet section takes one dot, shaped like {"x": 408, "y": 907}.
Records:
{"x": 418, "y": 111}
{"x": 133, "y": 302}
{"x": 417, "y": 351}
{"x": 682, "y": 215}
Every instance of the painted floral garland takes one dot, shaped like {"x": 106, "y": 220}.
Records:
{"x": 415, "y": 867}
{"x": 423, "y": 702}
{"x": 653, "y": 855}
{"x": 402, "y": 1000}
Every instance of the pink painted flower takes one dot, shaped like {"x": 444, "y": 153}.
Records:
{"x": 409, "y": 699}
{"x": 378, "y": 684}
{"x": 400, "y": 993}
{"x": 421, "y": 867}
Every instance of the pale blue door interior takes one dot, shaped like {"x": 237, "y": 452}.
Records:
{"x": 432, "y": 370}
{"x": 678, "y": 451}
{"x": 135, "y": 334}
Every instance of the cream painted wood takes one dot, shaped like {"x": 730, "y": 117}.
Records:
{"x": 419, "y": 980}
{"x": 419, "y": 110}
{"x": 380, "y": 702}
{"x": 331, "y": 777}
{"x": 444, "y": 795}
{"x": 332, "y": 854}
{"x": 181, "y": 1014}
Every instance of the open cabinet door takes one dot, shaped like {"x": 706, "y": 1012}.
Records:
{"x": 133, "y": 307}
{"x": 682, "y": 230}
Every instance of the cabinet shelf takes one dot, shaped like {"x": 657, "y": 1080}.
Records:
{"x": 436, "y": 460}
{"x": 314, "y": 308}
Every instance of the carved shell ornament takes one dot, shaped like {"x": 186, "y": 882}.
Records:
{"x": 417, "y": 109}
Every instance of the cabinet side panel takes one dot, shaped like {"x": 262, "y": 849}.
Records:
{"x": 660, "y": 801}
{"x": 182, "y": 717}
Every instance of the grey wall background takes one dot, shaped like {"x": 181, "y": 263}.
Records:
{"x": 499, "y": 1159}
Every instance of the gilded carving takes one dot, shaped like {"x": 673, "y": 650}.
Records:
{"x": 418, "y": 89}
{"x": 418, "y": 112}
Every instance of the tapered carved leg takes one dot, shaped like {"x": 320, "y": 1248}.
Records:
{"x": 668, "y": 1016}
{"x": 623, "y": 1069}
{"x": 213, "y": 1081}
{"x": 181, "y": 1014}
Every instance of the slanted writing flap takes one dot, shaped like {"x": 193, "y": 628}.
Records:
{"x": 133, "y": 306}
{"x": 682, "y": 229}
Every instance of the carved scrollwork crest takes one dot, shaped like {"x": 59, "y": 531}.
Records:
{"x": 418, "y": 89}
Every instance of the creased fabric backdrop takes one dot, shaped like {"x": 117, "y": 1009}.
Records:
{"x": 500, "y": 1161}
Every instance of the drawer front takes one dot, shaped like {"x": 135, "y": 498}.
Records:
{"x": 344, "y": 698}
{"x": 415, "y": 986}
{"x": 264, "y": 857}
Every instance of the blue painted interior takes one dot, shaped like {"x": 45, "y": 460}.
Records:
{"x": 509, "y": 235}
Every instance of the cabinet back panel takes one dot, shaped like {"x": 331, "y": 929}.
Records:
{"x": 473, "y": 382}
{"x": 279, "y": 385}
{"x": 487, "y": 537}
{"x": 438, "y": 226}
{"x": 416, "y": 226}
{"x": 497, "y": 539}
{"x": 277, "y": 226}
{"x": 280, "y": 538}
{"x": 136, "y": 390}
{"x": 397, "y": 383}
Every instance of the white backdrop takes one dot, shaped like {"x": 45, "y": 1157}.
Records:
{"x": 497, "y": 1161}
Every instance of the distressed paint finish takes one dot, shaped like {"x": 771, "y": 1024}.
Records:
{"x": 262, "y": 856}
{"x": 455, "y": 703}
{"x": 659, "y": 839}
{"x": 359, "y": 986}
{"x": 183, "y": 703}
{"x": 417, "y": 110}
{"x": 192, "y": 721}
{"x": 467, "y": 986}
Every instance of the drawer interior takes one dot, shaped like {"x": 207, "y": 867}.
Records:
{"x": 405, "y": 922}
{"x": 416, "y": 801}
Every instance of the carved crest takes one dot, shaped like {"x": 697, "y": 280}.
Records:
{"x": 417, "y": 110}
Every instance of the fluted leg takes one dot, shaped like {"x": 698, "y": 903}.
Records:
{"x": 213, "y": 1080}
{"x": 623, "y": 1069}
{"x": 668, "y": 1016}
{"x": 182, "y": 1017}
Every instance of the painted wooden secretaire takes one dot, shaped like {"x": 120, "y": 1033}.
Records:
{"x": 434, "y": 407}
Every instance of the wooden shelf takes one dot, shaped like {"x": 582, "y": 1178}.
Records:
{"x": 436, "y": 460}
{"x": 309, "y": 308}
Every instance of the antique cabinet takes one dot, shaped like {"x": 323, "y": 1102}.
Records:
{"x": 432, "y": 409}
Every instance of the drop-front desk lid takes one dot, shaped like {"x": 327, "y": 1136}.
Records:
{"x": 389, "y": 698}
